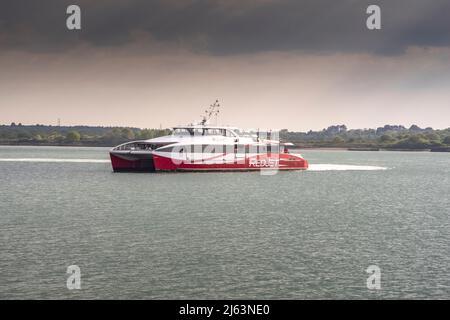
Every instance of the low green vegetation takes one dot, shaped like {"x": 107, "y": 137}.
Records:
{"x": 18, "y": 134}
{"x": 387, "y": 137}
{"x": 338, "y": 136}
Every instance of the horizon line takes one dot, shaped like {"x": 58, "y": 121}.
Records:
{"x": 18, "y": 124}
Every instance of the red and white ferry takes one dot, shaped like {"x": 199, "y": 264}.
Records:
{"x": 202, "y": 147}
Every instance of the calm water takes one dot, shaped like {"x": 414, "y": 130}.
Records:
{"x": 224, "y": 235}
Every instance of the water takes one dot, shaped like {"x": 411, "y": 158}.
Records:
{"x": 294, "y": 235}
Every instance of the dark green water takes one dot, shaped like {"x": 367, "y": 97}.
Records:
{"x": 224, "y": 235}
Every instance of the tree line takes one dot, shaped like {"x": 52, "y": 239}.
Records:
{"x": 74, "y": 135}
{"x": 387, "y": 137}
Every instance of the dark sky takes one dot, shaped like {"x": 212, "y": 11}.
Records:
{"x": 313, "y": 60}
{"x": 229, "y": 26}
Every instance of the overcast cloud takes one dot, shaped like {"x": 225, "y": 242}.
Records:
{"x": 292, "y": 64}
{"x": 224, "y": 27}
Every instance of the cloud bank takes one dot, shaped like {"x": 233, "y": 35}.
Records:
{"x": 226, "y": 27}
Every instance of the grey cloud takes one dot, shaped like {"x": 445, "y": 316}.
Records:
{"x": 228, "y": 27}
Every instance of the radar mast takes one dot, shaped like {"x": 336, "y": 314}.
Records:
{"x": 213, "y": 110}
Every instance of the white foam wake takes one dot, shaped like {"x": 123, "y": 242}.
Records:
{"x": 342, "y": 167}
{"x": 53, "y": 160}
{"x": 312, "y": 167}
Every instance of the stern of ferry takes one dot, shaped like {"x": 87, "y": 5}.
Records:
{"x": 132, "y": 157}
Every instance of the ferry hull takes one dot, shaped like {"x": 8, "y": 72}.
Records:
{"x": 132, "y": 163}
{"x": 255, "y": 163}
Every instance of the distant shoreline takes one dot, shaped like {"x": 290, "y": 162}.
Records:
{"x": 336, "y": 137}
{"x": 28, "y": 144}
{"x": 295, "y": 147}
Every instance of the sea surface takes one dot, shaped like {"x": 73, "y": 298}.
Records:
{"x": 292, "y": 235}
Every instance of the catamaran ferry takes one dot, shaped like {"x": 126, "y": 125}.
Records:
{"x": 202, "y": 147}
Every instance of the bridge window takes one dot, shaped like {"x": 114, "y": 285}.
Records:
{"x": 181, "y": 132}
{"x": 228, "y": 133}
{"x": 212, "y": 132}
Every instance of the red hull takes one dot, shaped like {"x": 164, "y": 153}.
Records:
{"x": 260, "y": 162}
{"x": 127, "y": 162}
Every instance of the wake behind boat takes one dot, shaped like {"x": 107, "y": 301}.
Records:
{"x": 201, "y": 147}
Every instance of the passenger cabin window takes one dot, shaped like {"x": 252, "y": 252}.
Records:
{"x": 181, "y": 132}
{"x": 135, "y": 147}
{"x": 228, "y": 133}
{"x": 212, "y": 132}
{"x": 204, "y": 132}
{"x": 238, "y": 132}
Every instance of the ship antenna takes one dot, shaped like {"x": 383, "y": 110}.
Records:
{"x": 213, "y": 110}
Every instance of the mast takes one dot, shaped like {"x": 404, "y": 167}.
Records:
{"x": 213, "y": 110}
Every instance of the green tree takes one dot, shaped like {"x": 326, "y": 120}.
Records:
{"x": 433, "y": 136}
{"x": 417, "y": 141}
{"x": 146, "y": 134}
{"x": 447, "y": 140}
{"x": 24, "y": 135}
{"x": 73, "y": 136}
{"x": 386, "y": 138}
{"x": 338, "y": 140}
{"x": 127, "y": 133}
{"x": 116, "y": 132}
